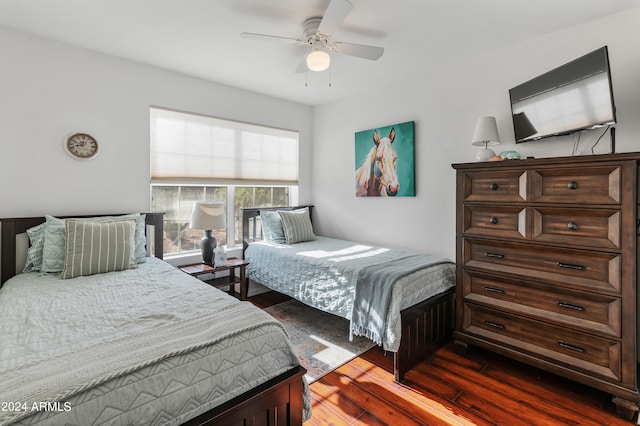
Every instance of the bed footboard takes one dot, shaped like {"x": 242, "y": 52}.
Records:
{"x": 425, "y": 327}
{"x": 276, "y": 402}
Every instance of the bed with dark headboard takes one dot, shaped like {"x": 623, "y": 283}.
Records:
{"x": 276, "y": 400}
{"x": 425, "y": 325}
{"x": 14, "y": 240}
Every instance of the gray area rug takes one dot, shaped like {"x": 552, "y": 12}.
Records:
{"x": 320, "y": 340}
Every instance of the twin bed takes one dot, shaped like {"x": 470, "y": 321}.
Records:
{"x": 139, "y": 343}
{"x": 409, "y": 319}
{"x": 97, "y": 331}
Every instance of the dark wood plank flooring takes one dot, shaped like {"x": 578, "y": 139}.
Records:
{"x": 481, "y": 388}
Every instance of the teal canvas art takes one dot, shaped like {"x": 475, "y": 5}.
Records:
{"x": 385, "y": 161}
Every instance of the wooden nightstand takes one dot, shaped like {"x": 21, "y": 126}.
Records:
{"x": 197, "y": 269}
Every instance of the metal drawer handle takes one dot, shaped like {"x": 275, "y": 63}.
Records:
{"x": 570, "y": 266}
{"x": 495, "y": 255}
{"x": 572, "y": 226}
{"x": 568, "y": 305}
{"x": 570, "y": 346}
{"x": 493, "y": 220}
{"x": 495, "y": 324}
{"x": 494, "y": 290}
{"x": 572, "y": 185}
{"x": 493, "y": 186}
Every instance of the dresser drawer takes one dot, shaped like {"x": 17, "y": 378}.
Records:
{"x": 575, "y": 268}
{"x": 504, "y": 186}
{"x": 597, "y": 355}
{"x": 584, "y": 185}
{"x": 490, "y": 221}
{"x": 589, "y": 311}
{"x": 586, "y": 227}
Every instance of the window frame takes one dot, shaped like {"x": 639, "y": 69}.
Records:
{"x": 231, "y": 245}
{"x": 231, "y": 183}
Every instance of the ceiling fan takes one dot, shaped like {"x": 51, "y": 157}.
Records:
{"x": 317, "y": 33}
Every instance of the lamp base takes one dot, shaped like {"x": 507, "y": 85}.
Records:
{"x": 207, "y": 245}
{"x": 485, "y": 154}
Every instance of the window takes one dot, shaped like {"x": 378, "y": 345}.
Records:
{"x": 197, "y": 158}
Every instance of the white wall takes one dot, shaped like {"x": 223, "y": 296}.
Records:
{"x": 49, "y": 90}
{"x": 445, "y": 104}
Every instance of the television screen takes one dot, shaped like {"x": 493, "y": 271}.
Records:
{"x": 572, "y": 97}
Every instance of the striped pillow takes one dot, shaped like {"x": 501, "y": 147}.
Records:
{"x": 95, "y": 248}
{"x": 297, "y": 226}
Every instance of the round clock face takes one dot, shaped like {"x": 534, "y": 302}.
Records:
{"x": 82, "y": 145}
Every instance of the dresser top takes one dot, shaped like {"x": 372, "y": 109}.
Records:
{"x": 551, "y": 160}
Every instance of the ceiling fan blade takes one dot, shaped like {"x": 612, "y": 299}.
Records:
{"x": 302, "y": 66}
{"x": 266, "y": 37}
{"x": 335, "y": 15}
{"x": 359, "y": 50}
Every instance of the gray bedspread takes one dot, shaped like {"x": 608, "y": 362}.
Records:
{"x": 323, "y": 274}
{"x": 146, "y": 346}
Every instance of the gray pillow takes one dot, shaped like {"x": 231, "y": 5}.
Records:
{"x": 53, "y": 250}
{"x": 54, "y": 239}
{"x": 36, "y": 247}
{"x": 272, "y": 227}
{"x": 297, "y": 226}
{"x": 95, "y": 248}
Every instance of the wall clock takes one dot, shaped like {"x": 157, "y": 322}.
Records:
{"x": 81, "y": 145}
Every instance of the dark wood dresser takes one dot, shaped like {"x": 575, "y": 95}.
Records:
{"x": 547, "y": 255}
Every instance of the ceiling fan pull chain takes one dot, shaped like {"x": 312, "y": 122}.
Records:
{"x": 306, "y": 79}
{"x": 329, "y": 77}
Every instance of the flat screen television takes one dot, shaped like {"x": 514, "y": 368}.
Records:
{"x": 572, "y": 97}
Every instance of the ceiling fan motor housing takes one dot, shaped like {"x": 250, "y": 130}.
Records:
{"x": 310, "y": 27}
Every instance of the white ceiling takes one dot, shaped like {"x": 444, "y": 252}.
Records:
{"x": 202, "y": 37}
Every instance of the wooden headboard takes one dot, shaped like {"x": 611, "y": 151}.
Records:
{"x": 252, "y": 227}
{"x": 11, "y": 228}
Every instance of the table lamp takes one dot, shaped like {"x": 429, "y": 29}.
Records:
{"x": 208, "y": 216}
{"x": 485, "y": 134}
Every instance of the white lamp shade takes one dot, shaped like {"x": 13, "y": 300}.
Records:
{"x": 486, "y": 132}
{"x": 208, "y": 216}
{"x": 318, "y": 60}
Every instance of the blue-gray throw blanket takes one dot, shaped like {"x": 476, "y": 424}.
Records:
{"x": 373, "y": 292}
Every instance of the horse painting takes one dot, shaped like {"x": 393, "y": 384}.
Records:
{"x": 377, "y": 176}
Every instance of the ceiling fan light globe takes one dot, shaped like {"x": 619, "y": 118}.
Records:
{"x": 318, "y": 60}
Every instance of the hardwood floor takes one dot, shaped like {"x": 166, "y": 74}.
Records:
{"x": 481, "y": 388}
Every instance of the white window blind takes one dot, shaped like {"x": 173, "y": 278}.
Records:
{"x": 191, "y": 147}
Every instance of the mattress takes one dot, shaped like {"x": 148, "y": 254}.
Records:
{"x": 171, "y": 348}
{"x": 323, "y": 274}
